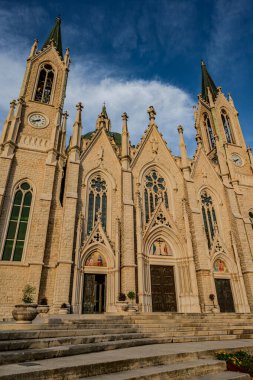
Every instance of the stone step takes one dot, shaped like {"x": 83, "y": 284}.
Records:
{"x": 183, "y": 370}
{"x": 32, "y": 354}
{"x": 126, "y": 359}
{"x": 227, "y": 375}
{"x": 40, "y": 334}
{"x": 10, "y": 345}
{"x": 22, "y": 344}
{"x": 56, "y": 349}
{"x": 175, "y": 331}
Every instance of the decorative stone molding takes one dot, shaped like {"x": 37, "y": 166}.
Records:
{"x": 33, "y": 142}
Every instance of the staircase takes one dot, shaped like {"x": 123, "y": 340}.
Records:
{"x": 71, "y": 338}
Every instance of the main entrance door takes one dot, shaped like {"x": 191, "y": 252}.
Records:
{"x": 163, "y": 288}
{"x": 94, "y": 293}
{"x": 224, "y": 295}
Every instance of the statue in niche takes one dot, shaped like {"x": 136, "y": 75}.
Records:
{"x": 161, "y": 248}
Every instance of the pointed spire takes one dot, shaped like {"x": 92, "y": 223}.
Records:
{"x": 8, "y": 120}
{"x": 125, "y": 142}
{"x": 104, "y": 112}
{"x": 103, "y": 120}
{"x": 207, "y": 82}
{"x": 230, "y": 99}
{"x": 75, "y": 144}
{"x": 183, "y": 151}
{"x": 34, "y": 48}
{"x": 55, "y": 36}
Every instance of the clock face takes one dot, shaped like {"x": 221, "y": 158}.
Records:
{"x": 236, "y": 159}
{"x": 37, "y": 120}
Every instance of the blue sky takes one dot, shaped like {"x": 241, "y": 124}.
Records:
{"x": 134, "y": 53}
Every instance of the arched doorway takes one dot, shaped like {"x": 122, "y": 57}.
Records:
{"x": 223, "y": 287}
{"x": 162, "y": 277}
{"x": 94, "y": 284}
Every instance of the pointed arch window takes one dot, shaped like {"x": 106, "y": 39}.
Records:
{"x": 209, "y": 131}
{"x": 18, "y": 222}
{"x": 45, "y": 84}
{"x": 154, "y": 187}
{"x": 209, "y": 217}
{"x": 97, "y": 202}
{"x": 227, "y": 127}
{"x": 251, "y": 217}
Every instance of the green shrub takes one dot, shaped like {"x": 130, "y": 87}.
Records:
{"x": 28, "y": 294}
{"x": 131, "y": 295}
{"x": 241, "y": 360}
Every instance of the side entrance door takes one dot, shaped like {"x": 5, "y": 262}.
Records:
{"x": 163, "y": 288}
{"x": 94, "y": 293}
{"x": 224, "y": 295}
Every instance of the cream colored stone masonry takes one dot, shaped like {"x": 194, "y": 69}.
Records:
{"x": 151, "y": 235}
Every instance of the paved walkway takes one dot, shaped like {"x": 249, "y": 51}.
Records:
{"x": 124, "y": 354}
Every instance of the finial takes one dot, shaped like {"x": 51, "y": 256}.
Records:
{"x": 13, "y": 103}
{"x": 202, "y": 63}
{"x": 58, "y": 19}
{"x": 79, "y": 106}
{"x": 104, "y": 112}
{"x": 124, "y": 116}
{"x": 180, "y": 129}
{"x": 152, "y": 113}
{"x": 66, "y": 57}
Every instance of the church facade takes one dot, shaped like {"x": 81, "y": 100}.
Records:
{"x": 102, "y": 217}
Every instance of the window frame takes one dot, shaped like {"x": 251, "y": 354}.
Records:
{"x": 7, "y": 222}
{"x": 206, "y": 119}
{"x": 103, "y": 178}
{"x": 209, "y": 214}
{"x": 229, "y": 126}
{"x": 40, "y": 67}
{"x": 167, "y": 203}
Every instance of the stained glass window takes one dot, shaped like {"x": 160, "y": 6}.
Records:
{"x": 18, "y": 222}
{"x": 227, "y": 127}
{"x": 45, "y": 84}
{"x": 155, "y": 186}
{"x": 209, "y": 131}
{"x": 97, "y": 202}
{"x": 209, "y": 217}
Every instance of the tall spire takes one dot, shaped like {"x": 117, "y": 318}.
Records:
{"x": 207, "y": 82}
{"x": 55, "y": 36}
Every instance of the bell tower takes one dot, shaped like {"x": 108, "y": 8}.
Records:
{"x": 36, "y": 124}
{"x": 218, "y": 129}
{"x": 32, "y": 152}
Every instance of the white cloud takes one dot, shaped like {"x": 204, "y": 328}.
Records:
{"x": 92, "y": 83}
{"x": 92, "y": 86}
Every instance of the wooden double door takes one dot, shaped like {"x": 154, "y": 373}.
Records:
{"x": 94, "y": 293}
{"x": 163, "y": 288}
{"x": 224, "y": 295}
